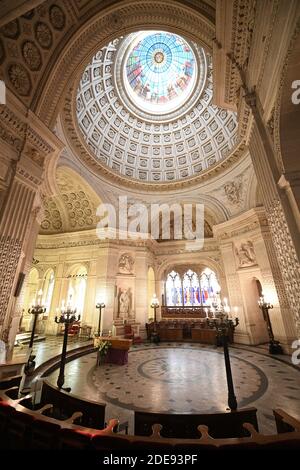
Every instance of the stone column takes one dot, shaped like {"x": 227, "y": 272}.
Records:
{"x": 51, "y": 327}
{"x": 90, "y": 294}
{"x": 15, "y": 217}
{"x": 25, "y": 266}
{"x": 281, "y": 316}
{"x": 141, "y": 290}
{"x": 26, "y": 148}
{"x": 244, "y": 332}
{"x": 283, "y": 226}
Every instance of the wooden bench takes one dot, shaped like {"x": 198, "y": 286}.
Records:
{"x": 65, "y": 404}
{"x": 221, "y": 425}
{"x": 42, "y": 432}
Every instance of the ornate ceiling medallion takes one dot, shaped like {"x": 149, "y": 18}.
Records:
{"x": 160, "y": 71}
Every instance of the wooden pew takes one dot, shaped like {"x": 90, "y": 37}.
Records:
{"x": 65, "y": 404}
{"x": 221, "y": 425}
{"x": 285, "y": 422}
{"x": 63, "y": 434}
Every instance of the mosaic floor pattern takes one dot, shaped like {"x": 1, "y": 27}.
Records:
{"x": 186, "y": 378}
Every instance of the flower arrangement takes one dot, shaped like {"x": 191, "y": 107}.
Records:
{"x": 103, "y": 347}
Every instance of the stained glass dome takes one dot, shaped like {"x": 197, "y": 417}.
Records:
{"x": 160, "y": 71}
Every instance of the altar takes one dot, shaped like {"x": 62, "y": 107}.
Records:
{"x": 117, "y": 352}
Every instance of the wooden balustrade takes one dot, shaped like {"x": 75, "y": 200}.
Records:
{"x": 20, "y": 427}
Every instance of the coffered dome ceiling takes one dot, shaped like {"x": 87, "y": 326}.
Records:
{"x": 144, "y": 109}
{"x": 73, "y": 208}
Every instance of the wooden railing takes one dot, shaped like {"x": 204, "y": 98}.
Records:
{"x": 185, "y": 312}
{"x": 27, "y": 429}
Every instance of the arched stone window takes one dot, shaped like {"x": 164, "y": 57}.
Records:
{"x": 48, "y": 287}
{"x": 192, "y": 289}
{"x": 173, "y": 289}
{"x": 77, "y": 288}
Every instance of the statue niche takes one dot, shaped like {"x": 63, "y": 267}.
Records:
{"x": 125, "y": 304}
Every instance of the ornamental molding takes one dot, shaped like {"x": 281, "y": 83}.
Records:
{"x": 255, "y": 221}
{"x": 277, "y": 108}
{"x": 78, "y": 147}
{"x": 12, "y": 129}
{"x": 243, "y": 17}
{"x": 22, "y": 133}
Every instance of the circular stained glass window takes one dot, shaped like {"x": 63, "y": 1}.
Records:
{"x": 161, "y": 71}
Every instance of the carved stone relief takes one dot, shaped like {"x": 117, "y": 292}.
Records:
{"x": 20, "y": 79}
{"x": 32, "y": 55}
{"x": 245, "y": 254}
{"x": 233, "y": 191}
{"x": 126, "y": 263}
{"x": 43, "y": 35}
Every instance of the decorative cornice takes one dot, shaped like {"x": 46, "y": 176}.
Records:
{"x": 253, "y": 220}
{"x": 278, "y": 103}
{"x": 241, "y": 38}
{"x": 12, "y": 128}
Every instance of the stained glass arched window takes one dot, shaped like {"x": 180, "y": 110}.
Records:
{"x": 160, "y": 71}
{"x": 173, "y": 289}
{"x": 191, "y": 288}
{"x": 210, "y": 288}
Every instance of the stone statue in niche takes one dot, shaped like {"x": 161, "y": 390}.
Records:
{"x": 233, "y": 191}
{"x": 246, "y": 254}
{"x": 126, "y": 263}
{"x": 125, "y": 303}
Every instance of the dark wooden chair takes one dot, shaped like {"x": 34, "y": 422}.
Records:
{"x": 129, "y": 334}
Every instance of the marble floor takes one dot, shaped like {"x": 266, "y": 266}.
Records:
{"x": 49, "y": 348}
{"x": 187, "y": 378}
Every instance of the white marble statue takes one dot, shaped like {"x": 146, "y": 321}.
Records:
{"x": 124, "y": 304}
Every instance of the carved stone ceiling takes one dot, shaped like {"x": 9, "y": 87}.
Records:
{"x": 146, "y": 146}
{"x": 73, "y": 209}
